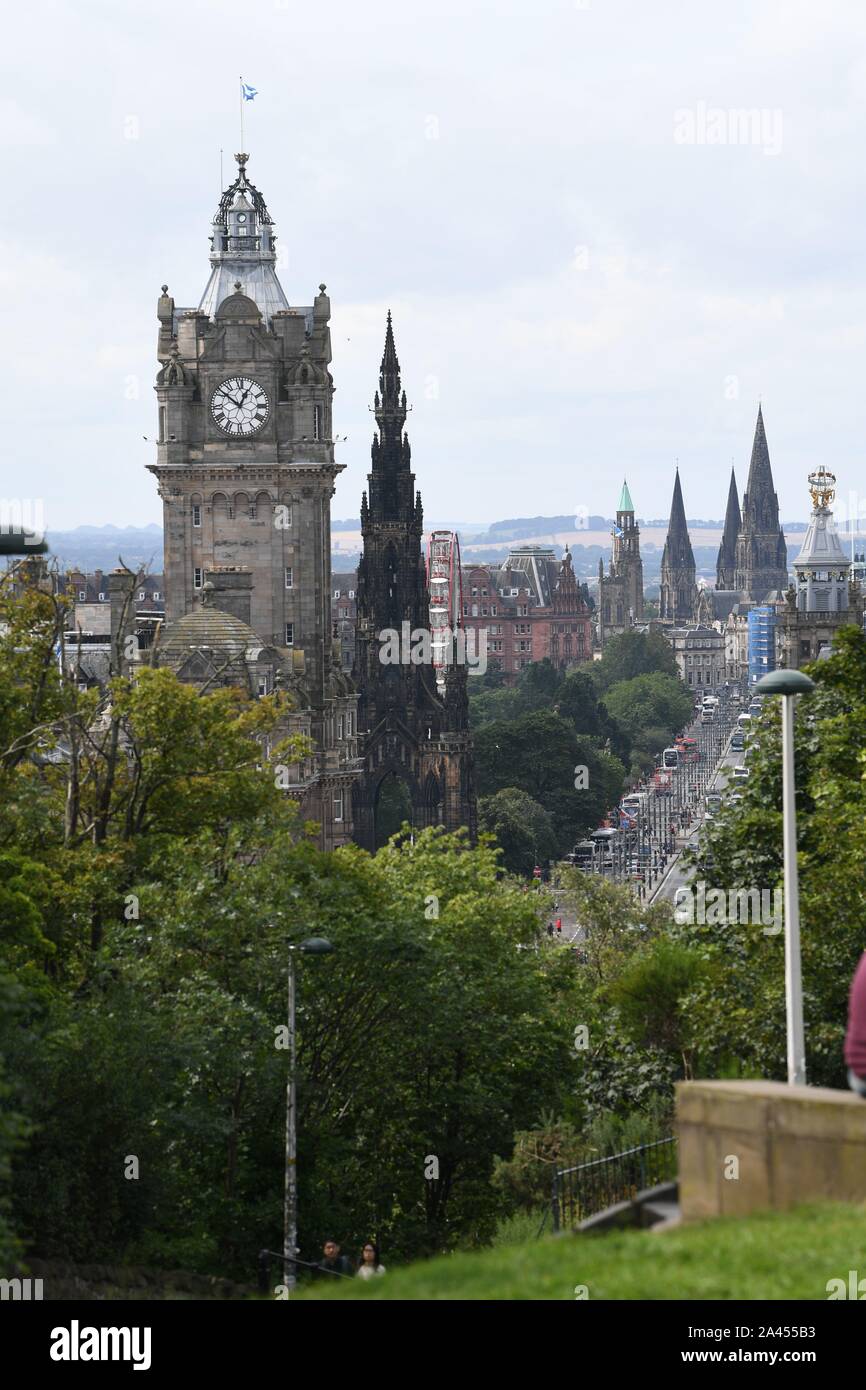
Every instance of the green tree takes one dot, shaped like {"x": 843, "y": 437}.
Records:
{"x": 649, "y": 995}
{"x": 650, "y": 705}
{"x": 631, "y": 654}
{"x": 742, "y": 849}
{"x": 522, "y": 829}
{"x": 541, "y": 755}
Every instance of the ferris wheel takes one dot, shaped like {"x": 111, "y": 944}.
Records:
{"x": 446, "y": 598}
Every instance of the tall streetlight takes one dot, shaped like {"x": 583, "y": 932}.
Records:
{"x": 789, "y": 684}
{"x": 313, "y": 946}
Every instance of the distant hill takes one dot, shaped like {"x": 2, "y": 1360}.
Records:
{"x": 100, "y": 547}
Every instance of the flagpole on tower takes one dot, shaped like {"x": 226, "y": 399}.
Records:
{"x": 241, "y": 105}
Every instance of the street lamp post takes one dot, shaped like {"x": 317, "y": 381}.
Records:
{"x": 314, "y": 946}
{"x": 789, "y": 684}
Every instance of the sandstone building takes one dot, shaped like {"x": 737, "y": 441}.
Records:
{"x": 246, "y": 470}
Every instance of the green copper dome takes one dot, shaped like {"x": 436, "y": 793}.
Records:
{"x": 625, "y": 502}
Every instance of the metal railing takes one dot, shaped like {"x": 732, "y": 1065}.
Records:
{"x": 592, "y": 1187}
{"x": 267, "y": 1257}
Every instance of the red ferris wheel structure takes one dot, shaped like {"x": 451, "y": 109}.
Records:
{"x": 446, "y": 598}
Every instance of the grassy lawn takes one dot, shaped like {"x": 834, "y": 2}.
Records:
{"x": 771, "y": 1255}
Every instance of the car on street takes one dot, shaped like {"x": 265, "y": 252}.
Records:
{"x": 740, "y": 773}
{"x": 738, "y": 741}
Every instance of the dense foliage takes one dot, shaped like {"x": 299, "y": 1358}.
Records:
{"x": 152, "y": 876}
{"x": 743, "y": 850}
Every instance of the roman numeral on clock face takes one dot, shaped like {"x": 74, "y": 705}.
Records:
{"x": 240, "y": 406}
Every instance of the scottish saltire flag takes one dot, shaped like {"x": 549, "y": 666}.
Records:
{"x": 617, "y": 530}
{"x": 249, "y": 93}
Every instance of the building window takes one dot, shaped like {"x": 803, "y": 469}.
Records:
{"x": 141, "y": 596}
{"x": 251, "y": 511}
{"x": 338, "y": 806}
{"x": 290, "y": 634}
{"x": 196, "y": 514}
{"x": 317, "y": 422}
{"x": 493, "y": 610}
{"x": 82, "y": 593}
{"x": 289, "y": 577}
{"x": 336, "y": 593}
{"x": 196, "y": 578}
{"x": 162, "y": 424}
{"x": 351, "y": 593}
{"x": 102, "y": 598}
{"x": 339, "y": 726}
{"x": 156, "y": 595}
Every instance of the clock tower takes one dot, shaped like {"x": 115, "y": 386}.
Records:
{"x": 246, "y": 471}
{"x": 245, "y": 456}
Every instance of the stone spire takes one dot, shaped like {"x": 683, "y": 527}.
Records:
{"x": 391, "y": 481}
{"x": 726, "y": 564}
{"x": 620, "y": 595}
{"x": 761, "y": 552}
{"x": 243, "y": 248}
{"x": 413, "y": 733}
{"x": 678, "y": 591}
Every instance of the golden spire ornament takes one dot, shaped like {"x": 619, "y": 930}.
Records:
{"x": 822, "y": 486}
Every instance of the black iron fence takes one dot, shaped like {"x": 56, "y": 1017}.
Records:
{"x": 591, "y": 1187}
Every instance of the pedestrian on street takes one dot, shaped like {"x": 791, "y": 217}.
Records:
{"x": 550, "y": 929}
{"x": 332, "y": 1262}
{"x": 369, "y": 1266}
{"x": 559, "y": 926}
{"x": 855, "y": 1037}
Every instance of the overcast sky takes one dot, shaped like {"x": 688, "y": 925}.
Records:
{"x": 583, "y": 286}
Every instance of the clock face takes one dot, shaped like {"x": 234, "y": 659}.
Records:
{"x": 240, "y": 406}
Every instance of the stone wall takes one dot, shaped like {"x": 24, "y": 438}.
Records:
{"x": 747, "y": 1145}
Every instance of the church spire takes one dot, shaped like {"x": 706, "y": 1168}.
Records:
{"x": 761, "y": 558}
{"x": 678, "y": 531}
{"x": 677, "y": 590}
{"x": 727, "y": 560}
{"x": 760, "y": 474}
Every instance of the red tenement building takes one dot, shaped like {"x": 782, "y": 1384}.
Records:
{"x": 531, "y": 607}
